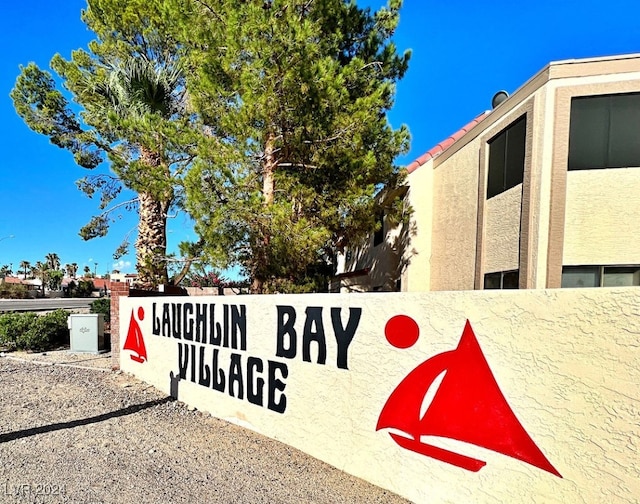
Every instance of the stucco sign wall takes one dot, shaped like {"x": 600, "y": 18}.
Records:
{"x": 528, "y": 396}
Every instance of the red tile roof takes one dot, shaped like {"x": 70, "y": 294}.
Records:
{"x": 101, "y": 283}
{"x": 12, "y": 280}
{"x": 445, "y": 144}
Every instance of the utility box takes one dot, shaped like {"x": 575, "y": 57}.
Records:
{"x": 86, "y": 333}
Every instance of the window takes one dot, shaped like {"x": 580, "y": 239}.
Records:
{"x": 506, "y": 158}
{"x": 604, "y": 132}
{"x": 580, "y": 276}
{"x": 600, "y": 276}
{"x": 502, "y": 280}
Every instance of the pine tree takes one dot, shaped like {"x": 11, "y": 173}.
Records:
{"x": 295, "y": 93}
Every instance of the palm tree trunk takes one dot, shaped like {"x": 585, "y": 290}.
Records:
{"x": 151, "y": 244}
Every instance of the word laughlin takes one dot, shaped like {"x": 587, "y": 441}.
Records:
{"x": 198, "y": 322}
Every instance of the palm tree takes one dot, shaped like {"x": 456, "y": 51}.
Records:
{"x": 41, "y": 271}
{"x": 71, "y": 269}
{"x": 53, "y": 261}
{"x": 139, "y": 89}
{"x": 24, "y": 266}
{"x": 133, "y": 111}
{"x": 87, "y": 271}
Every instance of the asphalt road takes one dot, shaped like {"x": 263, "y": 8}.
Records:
{"x": 7, "y": 305}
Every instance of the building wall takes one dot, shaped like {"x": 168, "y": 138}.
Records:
{"x": 504, "y": 224}
{"x": 454, "y": 221}
{"x": 593, "y": 209}
{"x": 551, "y": 220}
{"x": 565, "y": 363}
{"x": 502, "y": 231}
{"x": 416, "y": 276}
{"x": 601, "y": 225}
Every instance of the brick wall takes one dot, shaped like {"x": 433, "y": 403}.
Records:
{"x": 117, "y": 289}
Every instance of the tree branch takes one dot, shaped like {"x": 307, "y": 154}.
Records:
{"x": 210, "y": 9}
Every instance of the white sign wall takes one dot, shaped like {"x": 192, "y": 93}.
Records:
{"x": 527, "y": 396}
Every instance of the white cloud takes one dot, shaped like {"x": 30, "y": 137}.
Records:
{"x": 121, "y": 265}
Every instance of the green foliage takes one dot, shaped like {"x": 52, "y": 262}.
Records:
{"x": 83, "y": 289}
{"x": 297, "y": 101}
{"x": 54, "y": 279}
{"x": 28, "y": 331}
{"x": 46, "y": 331}
{"x": 102, "y": 305}
{"x": 13, "y": 326}
{"x": 267, "y": 120}
{"x": 13, "y": 291}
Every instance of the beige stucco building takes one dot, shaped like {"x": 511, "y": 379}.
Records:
{"x": 541, "y": 192}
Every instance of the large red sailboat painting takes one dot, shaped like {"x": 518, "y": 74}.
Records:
{"x": 454, "y": 395}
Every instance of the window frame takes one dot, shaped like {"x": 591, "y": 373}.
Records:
{"x": 601, "y": 272}
{"x": 500, "y": 275}
{"x": 513, "y": 152}
{"x": 584, "y": 135}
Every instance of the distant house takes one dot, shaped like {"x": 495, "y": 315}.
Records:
{"x": 102, "y": 285}
{"x": 540, "y": 192}
{"x": 33, "y": 285}
{"x": 128, "y": 278}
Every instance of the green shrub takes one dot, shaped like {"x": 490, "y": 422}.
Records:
{"x": 83, "y": 289}
{"x": 102, "y": 305}
{"x": 13, "y": 326}
{"x": 29, "y": 331}
{"x": 13, "y": 291}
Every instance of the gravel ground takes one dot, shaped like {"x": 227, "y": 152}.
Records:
{"x": 69, "y": 434}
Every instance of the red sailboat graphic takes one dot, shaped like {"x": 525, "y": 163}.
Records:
{"x": 134, "y": 340}
{"x": 466, "y": 405}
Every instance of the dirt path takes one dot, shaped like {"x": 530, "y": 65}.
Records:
{"x": 75, "y": 435}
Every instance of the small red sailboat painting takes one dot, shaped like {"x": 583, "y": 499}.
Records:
{"x": 134, "y": 340}
{"x": 466, "y": 404}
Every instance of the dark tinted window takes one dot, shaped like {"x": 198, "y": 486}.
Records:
{"x": 506, "y": 158}
{"x": 580, "y": 276}
{"x": 600, "y": 276}
{"x": 502, "y": 280}
{"x": 604, "y": 132}
{"x": 510, "y": 280}
{"x": 492, "y": 280}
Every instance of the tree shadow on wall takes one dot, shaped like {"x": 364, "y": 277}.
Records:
{"x": 384, "y": 263}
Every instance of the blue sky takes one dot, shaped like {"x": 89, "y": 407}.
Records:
{"x": 463, "y": 52}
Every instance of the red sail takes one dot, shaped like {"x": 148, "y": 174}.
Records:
{"x": 468, "y": 406}
{"x": 134, "y": 341}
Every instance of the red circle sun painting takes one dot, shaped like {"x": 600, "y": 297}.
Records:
{"x": 402, "y": 331}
